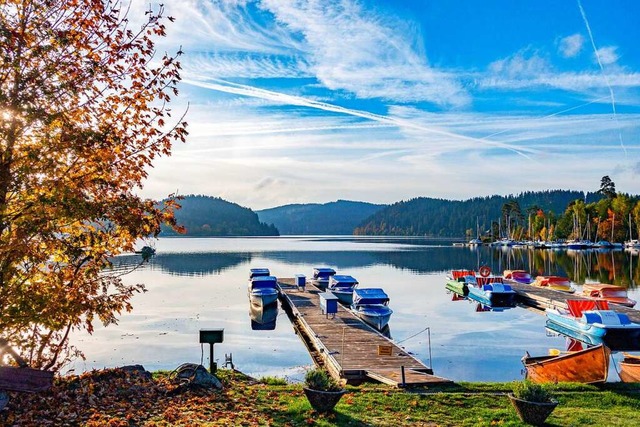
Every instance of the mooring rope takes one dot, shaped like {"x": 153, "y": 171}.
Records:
{"x": 414, "y": 335}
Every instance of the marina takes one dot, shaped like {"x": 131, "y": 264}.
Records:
{"x": 346, "y": 346}
{"x": 204, "y": 281}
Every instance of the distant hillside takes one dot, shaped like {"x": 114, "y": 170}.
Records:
{"x": 339, "y": 217}
{"x": 448, "y": 218}
{"x": 212, "y": 216}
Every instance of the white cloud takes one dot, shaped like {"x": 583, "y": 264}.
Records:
{"x": 520, "y": 65}
{"x": 370, "y": 55}
{"x": 607, "y": 55}
{"x": 570, "y": 47}
{"x": 340, "y": 43}
{"x": 577, "y": 82}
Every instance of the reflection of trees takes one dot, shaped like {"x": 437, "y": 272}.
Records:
{"x": 198, "y": 264}
{"x": 616, "y": 267}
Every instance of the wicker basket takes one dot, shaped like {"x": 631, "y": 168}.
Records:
{"x": 534, "y": 413}
{"x": 323, "y": 401}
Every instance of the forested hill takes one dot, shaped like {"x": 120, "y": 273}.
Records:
{"x": 212, "y": 216}
{"x": 339, "y": 217}
{"x": 449, "y": 218}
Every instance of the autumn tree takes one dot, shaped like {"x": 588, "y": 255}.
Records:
{"x": 83, "y": 113}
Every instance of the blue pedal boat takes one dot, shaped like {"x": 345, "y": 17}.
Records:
{"x": 371, "y": 305}
{"x": 342, "y": 286}
{"x": 263, "y": 290}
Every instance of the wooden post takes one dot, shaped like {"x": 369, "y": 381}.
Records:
{"x": 404, "y": 383}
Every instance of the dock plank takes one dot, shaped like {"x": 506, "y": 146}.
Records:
{"x": 348, "y": 347}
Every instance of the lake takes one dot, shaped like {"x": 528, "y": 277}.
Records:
{"x": 201, "y": 283}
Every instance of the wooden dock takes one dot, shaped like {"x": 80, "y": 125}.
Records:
{"x": 347, "y": 347}
{"x": 540, "y": 299}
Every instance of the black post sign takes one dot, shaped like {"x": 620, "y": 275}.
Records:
{"x": 211, "y": 336}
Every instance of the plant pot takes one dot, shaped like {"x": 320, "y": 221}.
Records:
{"x": 534, "y": 413}
{"x": 323, "y": 401}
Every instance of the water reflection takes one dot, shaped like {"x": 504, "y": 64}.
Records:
{"x": 263, "y": 317}
{"x": 610, "y": 266}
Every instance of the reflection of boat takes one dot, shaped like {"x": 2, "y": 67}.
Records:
{"x": 557, "y": 283}
{"x": 263, "y": 317}
{"x": 257, "y": 272}
{"x": 611, "y": 293}
{"x": 263, "y": 289}
{"x": 630, "y": 368}
{"x": 321, "y": 276}
{"x": 588, "y": 366}
{"x": 482, "y": 308}
{"x": 517, "y": 276}
{"x": 342, "y": 286}
{"x": 594, "y": 318}
{"x": 372, "y": 306}
{"x": 556, "y": 329}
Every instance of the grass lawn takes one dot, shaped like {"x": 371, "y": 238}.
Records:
{"x": 113, "y": 397}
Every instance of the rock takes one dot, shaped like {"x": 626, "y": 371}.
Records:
{"x": 137, "y": 370}
{"x": 197, "y": 375}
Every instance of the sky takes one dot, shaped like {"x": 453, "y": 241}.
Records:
{"x": 294, "y": 101}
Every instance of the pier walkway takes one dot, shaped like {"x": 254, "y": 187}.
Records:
{"x": 346, "y": 346}
{"x": 540, "y": 299}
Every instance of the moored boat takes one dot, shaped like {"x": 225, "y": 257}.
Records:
{"x": 611, "y": 293}
{"x": 493, "y": 292}
{"x": 460, "y": 280}
{"x": 321, "y": 276}
{"x": 342, "y": 286}
{"x": 517, "y": 276}
{"x": 594, "y": 318}
{"x": 372, "y": 306}
{"x": 633, "y": 244}
{"x": 630, "y": 368}
{"x": 556, "y": 283}
{"x": 263, "y": 290}
{"x": 588, "y": 366}
{"x": 257, "y": 272}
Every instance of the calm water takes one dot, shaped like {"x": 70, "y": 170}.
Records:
{"x": 198, "y": 284}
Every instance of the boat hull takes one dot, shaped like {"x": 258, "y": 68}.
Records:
{"x": 576, "y": 325}
{"x": 587, "y": 366}
{"x": 630, "y": 370}
{"x": 377, "y": 317}
{"x": 320, "y": 283}
{"x": 344, "y": 295}
{"x": 459, "y": 288}
{"x": 493, "y": 299}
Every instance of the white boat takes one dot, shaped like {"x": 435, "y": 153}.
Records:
{"x": 342, "y": 286}
{"x": 372, "y": 306}
{"x": 321, "y": 276}
{"x": 632, "y": 244}
{"x": 263, "y": 290}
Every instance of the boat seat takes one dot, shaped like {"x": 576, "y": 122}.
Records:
{"x": 606, "y": 317}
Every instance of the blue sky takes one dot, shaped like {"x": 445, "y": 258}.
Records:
{"x": 381, "y": 101}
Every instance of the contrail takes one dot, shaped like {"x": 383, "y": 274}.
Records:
{"x": 239, "y": 89}
{"x": 606, "y": 79}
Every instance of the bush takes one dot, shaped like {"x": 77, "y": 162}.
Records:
{"x": 318, "y": 379}
{"x": 529, "y": 391}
